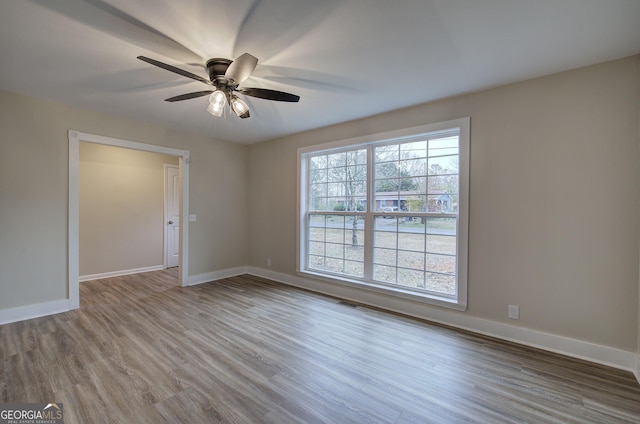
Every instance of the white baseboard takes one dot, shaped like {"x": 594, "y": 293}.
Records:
{"x": 49, "y": 308}
{"x": 215, "y": 275}
{"x": 592, "y": 352}
{"x": 22, "y": 313}
{"x": 120, "y": 273}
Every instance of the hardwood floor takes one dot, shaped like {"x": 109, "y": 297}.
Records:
{"x": 248, "y": 350}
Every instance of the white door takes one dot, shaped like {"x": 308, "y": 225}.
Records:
{"x": 172, "y": 216}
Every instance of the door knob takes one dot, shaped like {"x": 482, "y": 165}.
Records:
{"x": 170, "y": 222}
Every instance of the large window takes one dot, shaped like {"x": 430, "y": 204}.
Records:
{"x": 389, "y": 212}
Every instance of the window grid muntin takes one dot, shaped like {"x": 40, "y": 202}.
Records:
{"x": 426, "y": 237}
{"x": 328, "y": 183}
{"x": 422, "y": 197}
{"x": 335, "y": 239}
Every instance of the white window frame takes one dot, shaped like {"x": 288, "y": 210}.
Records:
{"x": 458, "y": 302}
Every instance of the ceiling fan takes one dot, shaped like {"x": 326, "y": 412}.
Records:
{"x": 225, "y": 76}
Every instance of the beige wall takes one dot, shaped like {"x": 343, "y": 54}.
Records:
{"x": 34, "y": 194}
{"x": 554, "y": 217}
{"x": 121, "y": 197}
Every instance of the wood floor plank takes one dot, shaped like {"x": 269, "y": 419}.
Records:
{"x": 249, "y": 350}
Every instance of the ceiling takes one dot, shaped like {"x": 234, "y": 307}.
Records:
{"x": 347, "y": 59}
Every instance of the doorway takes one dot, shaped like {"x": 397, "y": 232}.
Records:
{"x": 182, "y": 179}
{"x": 171, "y": 247}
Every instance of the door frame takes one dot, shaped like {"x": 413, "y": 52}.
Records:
{"x": 165, "y": 244}
{"x": 73, "y": 254}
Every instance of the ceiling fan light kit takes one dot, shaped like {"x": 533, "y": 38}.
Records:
{"x": 239, "y": 107}
{"x": 225, "y": 75}
{"x": 217, "y": 100}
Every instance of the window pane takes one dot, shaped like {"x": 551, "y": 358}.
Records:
{"x": 386, "y": 223}
{"x": 441, "y": 263}
{"x": 385, "y": 256}
{"x": 334, "y": 250}
{"x": 383, "y": 273}
{"x": 317, "y": 196}
{"x": 411, "y": 241}
{"x": 408, "y": 185}
{"x": 334, "y": 265}
{"x": 337, "y": 174}
{"x": 441, "y": 244}
{"x": 443, "y": 165}
{"x": 386, "y": 240}
{"x": 318, "y": 176}
{"x": 336, "y": 189}
{"x": 316, "y": 234}
{"x": 441, "y": 283}
{"x": 335, "y": 235}
{"x": 386, "y": 153}
{"x": 442, "y": 203}
{"x": 318, "y": 162}
{"x": 355, "y": 253}
{"x": 443, "y": 226}
{"x": 357, "y": 172}
{"x": 415, "y": 203}
{"x": 385, "y": 233}
{"x": 387, "y": 186}
{"x": 316, "y": 248}
{"x": 446, "y": 184}
{"x": 417, "y": 149}
{"x": 356, "y": 157}
{"x": 411, "y": 278}
{"x": 413, "y": 167}
{"x": 318, "y": 189}
{"x": 319, "y": 204}
{"x": 411, "y": 260}
{"x": 353, "y": 268}
{"x": 336, "y": 244}
{"x": 444, "y": 146}
{"x": 316, "y": 262}
{"x": 386, "y": 170}
{"x": 316, "y": 220}
{"x": 334, "y": 203}
{"x": 354, "y": 235}
{"x": 336, "y": 160}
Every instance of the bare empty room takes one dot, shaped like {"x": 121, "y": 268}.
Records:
{"x": 332, "y": 211}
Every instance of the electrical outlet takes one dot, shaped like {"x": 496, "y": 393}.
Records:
{"x": 269, "y": 263}
{"x": 514, "y": 312}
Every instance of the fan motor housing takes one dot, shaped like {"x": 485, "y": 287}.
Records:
{"x": 216, "y": 68}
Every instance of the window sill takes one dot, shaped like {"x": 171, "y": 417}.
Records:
{"x": 398, "y": 292}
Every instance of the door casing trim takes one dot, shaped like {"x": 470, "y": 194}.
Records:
{"x": 73, "y": 241}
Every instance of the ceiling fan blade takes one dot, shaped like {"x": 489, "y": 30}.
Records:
{"x": 188, "y": 96}
{"x": 263, "y": 93}
{"x": 240, "y": 69}
{"x": 174, "y": 69}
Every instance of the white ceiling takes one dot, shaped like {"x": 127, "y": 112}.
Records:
{"x": 347, "y": 59}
